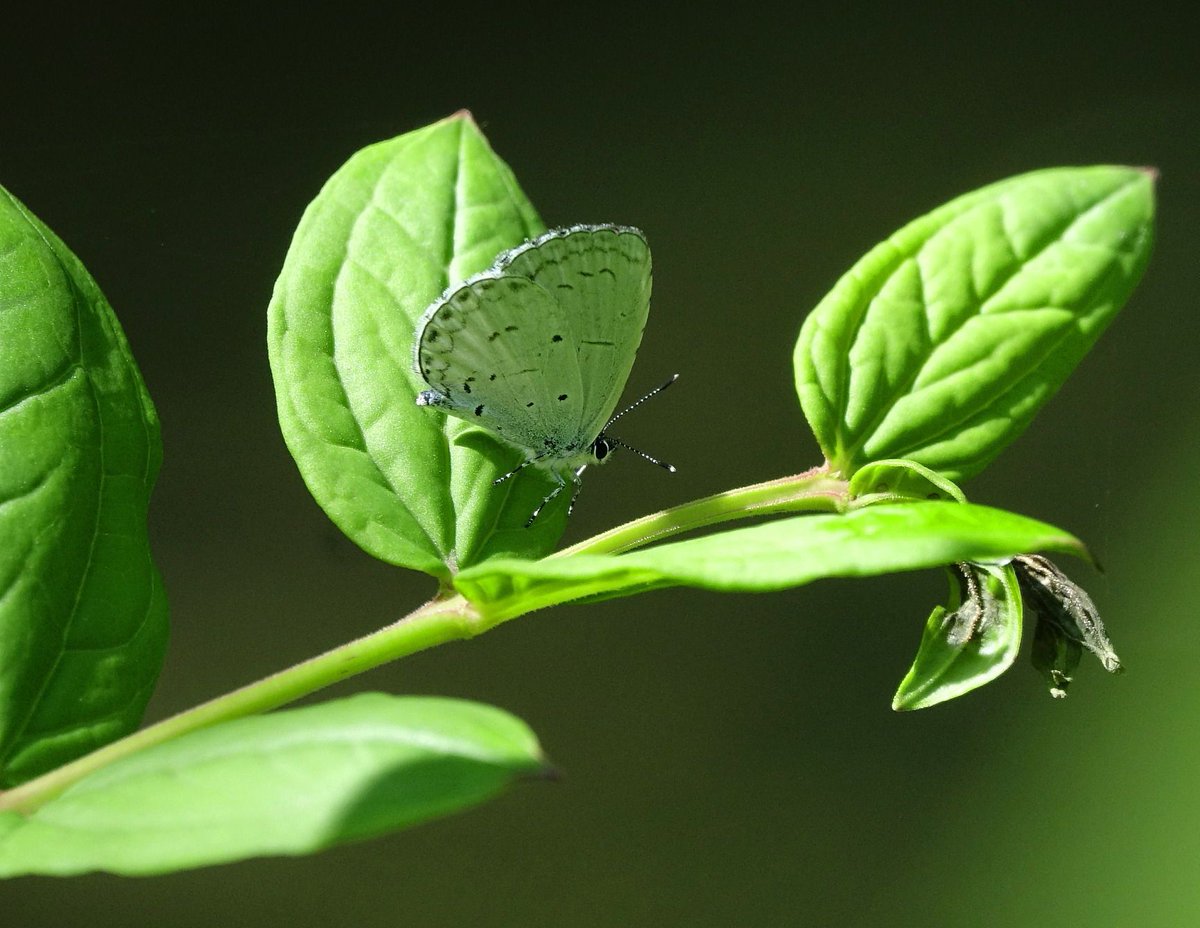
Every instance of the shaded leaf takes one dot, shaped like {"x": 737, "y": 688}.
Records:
{"x": 285, "y": 783}
{"x": 942, "y": 343}
{"x": 391, "y": 230}
{"x": 83, "y": 616}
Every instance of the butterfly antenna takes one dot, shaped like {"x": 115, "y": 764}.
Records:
{"x": 654, "y": 392}
{"x": 621, "y": 444}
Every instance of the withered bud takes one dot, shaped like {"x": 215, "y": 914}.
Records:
{"x": 1067, "y": 622}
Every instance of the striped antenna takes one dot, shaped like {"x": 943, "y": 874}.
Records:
{"x": 654, "y": 392}
{"x": 621, "y": 444}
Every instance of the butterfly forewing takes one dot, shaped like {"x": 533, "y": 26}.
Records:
{"x": 600, "y": 277}
{"x": 488, "y": 348}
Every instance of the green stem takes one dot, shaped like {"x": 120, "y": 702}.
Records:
{"x": 812, "y": 490}
{"x": 437, "y": 622}
{"x": 447, "y": 618}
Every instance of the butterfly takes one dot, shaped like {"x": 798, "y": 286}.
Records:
{"x": 538, "y": 347}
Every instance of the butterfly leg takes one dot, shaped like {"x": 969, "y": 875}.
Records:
{"x": 516, "y": 470}
{"x": 562, "y": 485}
{"x": 576, "y": 479}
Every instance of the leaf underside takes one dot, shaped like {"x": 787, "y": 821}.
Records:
{"x": 772, "y": 556}
{"x": 952, "y": 659}
{"x": 284, "y": 783}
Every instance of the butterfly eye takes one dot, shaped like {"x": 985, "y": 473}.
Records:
{"x": 601, "y": 447}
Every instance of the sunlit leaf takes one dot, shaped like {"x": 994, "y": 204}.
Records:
{"x": 285, "y": 783}
{"x": 396, "y": 225}
{"x": 970, "y": 642}
{"x": 772, "y": 556}
{"x": 942, "y": 343}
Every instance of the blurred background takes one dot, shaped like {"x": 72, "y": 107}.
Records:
{"x": 727, "y": 759}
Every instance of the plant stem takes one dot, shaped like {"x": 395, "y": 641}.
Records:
{"x": 437, "y": 622}
{"x": 441, "y": 620}
{"x": 812, "y": 490}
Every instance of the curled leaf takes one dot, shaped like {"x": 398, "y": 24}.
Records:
{"x": 895, "y": 480}
{"x": 968, "y": 643}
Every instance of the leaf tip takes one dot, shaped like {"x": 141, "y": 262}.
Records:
{"x": 901, "y": 702}
{"x": 546, "y": 771}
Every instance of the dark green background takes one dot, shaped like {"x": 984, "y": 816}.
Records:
{"x": 728, "y": 759}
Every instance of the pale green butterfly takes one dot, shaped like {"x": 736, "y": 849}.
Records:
{"x": 538, "y": 347}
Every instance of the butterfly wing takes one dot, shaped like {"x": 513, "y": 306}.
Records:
{"x": 600, "y": 278}
{"x": 487, "y": 350}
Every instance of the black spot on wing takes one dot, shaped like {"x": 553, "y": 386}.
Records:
{"x": 556, "y": 338}
{"x": 479, "y": 410}
{"x": 561, "y": 397}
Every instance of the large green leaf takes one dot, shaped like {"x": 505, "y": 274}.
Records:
{"x": 395, "y": 226}
{"x": 83, "y": 617}
{"x": 942, "y": 343}
{"x": 285, "y": 783}
{"x": 773, "y": 556}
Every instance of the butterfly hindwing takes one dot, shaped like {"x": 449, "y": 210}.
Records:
{"x": 487, "y": 348}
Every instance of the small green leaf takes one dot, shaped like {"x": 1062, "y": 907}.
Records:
{"x": 772, "y": 556}
{"x": 943, "y": 342}
{"x": 285, "y": 783}
{"x": 890, "y": 481}
{"x": 396, "y": 225}
{"x": 83, "y": 616}
{"x": 968, "y": 644}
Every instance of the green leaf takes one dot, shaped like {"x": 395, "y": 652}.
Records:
{"x": 968, "y": 644}
{"x": 83, "y": 616}
{"x": 890, "y": 481}
{"x": 773, "y": 556}
{"x": 943, "y": 342}
{"x": 396, "y": 225}
{"x": 285, "y": 783}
